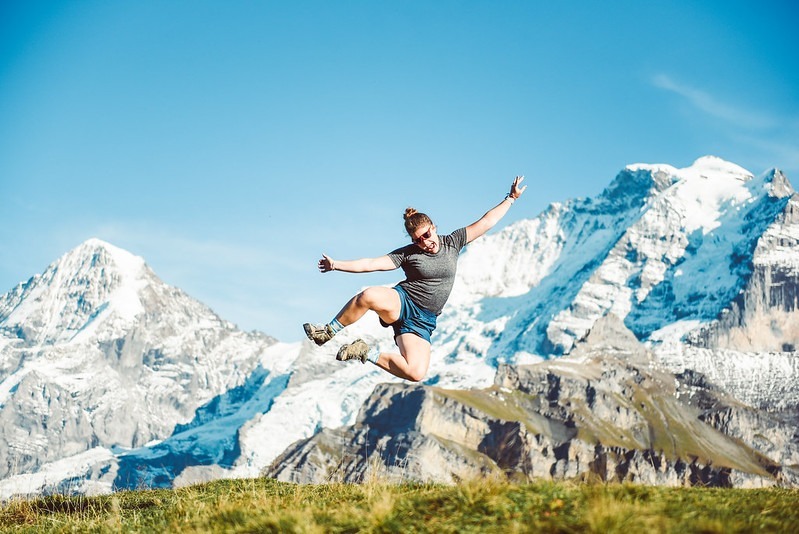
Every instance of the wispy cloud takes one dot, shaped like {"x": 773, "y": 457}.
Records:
{"x": 711, "y": 105}
{"x": 766, "y": 139}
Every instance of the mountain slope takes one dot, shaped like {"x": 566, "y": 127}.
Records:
{"x": 605, "y": 411}
{"x": 98, "y": 352}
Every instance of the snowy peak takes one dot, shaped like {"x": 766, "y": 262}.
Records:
{"x": 104, "y": 263}
{"x": 704, "y": 166}
{"x": 94, "y": 247}
{"x": 715, "y": 165}
{"x": 633, "y": 186}
{"x": 711, "y": 189}
{"x": 701, "y": 191}
{"x": 777, "y": 184}
{"x": 639, "y": 181}
{"x": 92, "y": 283}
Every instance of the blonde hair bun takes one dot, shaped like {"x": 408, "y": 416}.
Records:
{"x": 409, "y": 212}
{"x": 415, "y": 219}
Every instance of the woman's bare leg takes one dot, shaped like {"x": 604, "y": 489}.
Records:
{"x": 384, "y": 301}
{"x": 414, "y": 358}
{"x": 412, "y": 362}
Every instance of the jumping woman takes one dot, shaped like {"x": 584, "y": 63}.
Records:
{"x": 412, "y": 306}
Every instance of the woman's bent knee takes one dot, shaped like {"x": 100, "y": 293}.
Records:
{"x": 417, "y": 368}
{"x": 416, "y": 375}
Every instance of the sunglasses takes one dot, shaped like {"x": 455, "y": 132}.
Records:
{"x": 421, "y": 238}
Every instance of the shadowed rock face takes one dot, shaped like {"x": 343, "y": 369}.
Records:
{"x": 606, "y": 412}
{"x": 763, "y": 317}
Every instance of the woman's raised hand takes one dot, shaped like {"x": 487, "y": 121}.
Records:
{"x": 515, "y": 190}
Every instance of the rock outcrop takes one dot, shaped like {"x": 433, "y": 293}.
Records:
{"x": 763, "y": 317}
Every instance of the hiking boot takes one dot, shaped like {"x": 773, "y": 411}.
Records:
{"x": 357, "y": 350}
{"x": 319, "y": 334}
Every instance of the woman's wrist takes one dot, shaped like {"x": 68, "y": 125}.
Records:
{"x": 509, "y": 197}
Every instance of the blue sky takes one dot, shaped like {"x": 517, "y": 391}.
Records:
{"x": 231, "y": 143}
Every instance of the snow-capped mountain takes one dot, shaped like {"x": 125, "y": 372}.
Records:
{"x": 702, "y": 263}
{"x": 663, "y": 248}
{"x": 109, "y": 378}
{"x": 97, "y": 354}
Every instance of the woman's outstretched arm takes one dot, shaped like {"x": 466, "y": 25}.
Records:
{"x": 492, "y": 216}
{"x": 364, "y": 265}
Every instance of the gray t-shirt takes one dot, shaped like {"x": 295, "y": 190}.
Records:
{"x": 429, "y": 277}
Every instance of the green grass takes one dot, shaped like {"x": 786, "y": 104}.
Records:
{"x": 264, "y": 505}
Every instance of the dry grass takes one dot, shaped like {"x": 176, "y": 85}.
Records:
{"x": 263, "y": 505}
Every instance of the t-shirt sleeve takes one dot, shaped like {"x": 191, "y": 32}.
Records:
{"x": 459, "y": 238}
{"x": 398, "y": 256}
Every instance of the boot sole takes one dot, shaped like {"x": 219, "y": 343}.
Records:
{"x": 308, "y": 327}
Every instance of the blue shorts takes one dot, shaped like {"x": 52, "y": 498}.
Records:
{"x": 413, "y": 318}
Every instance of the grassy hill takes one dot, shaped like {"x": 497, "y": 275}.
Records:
{"x": 264, "y": 505}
